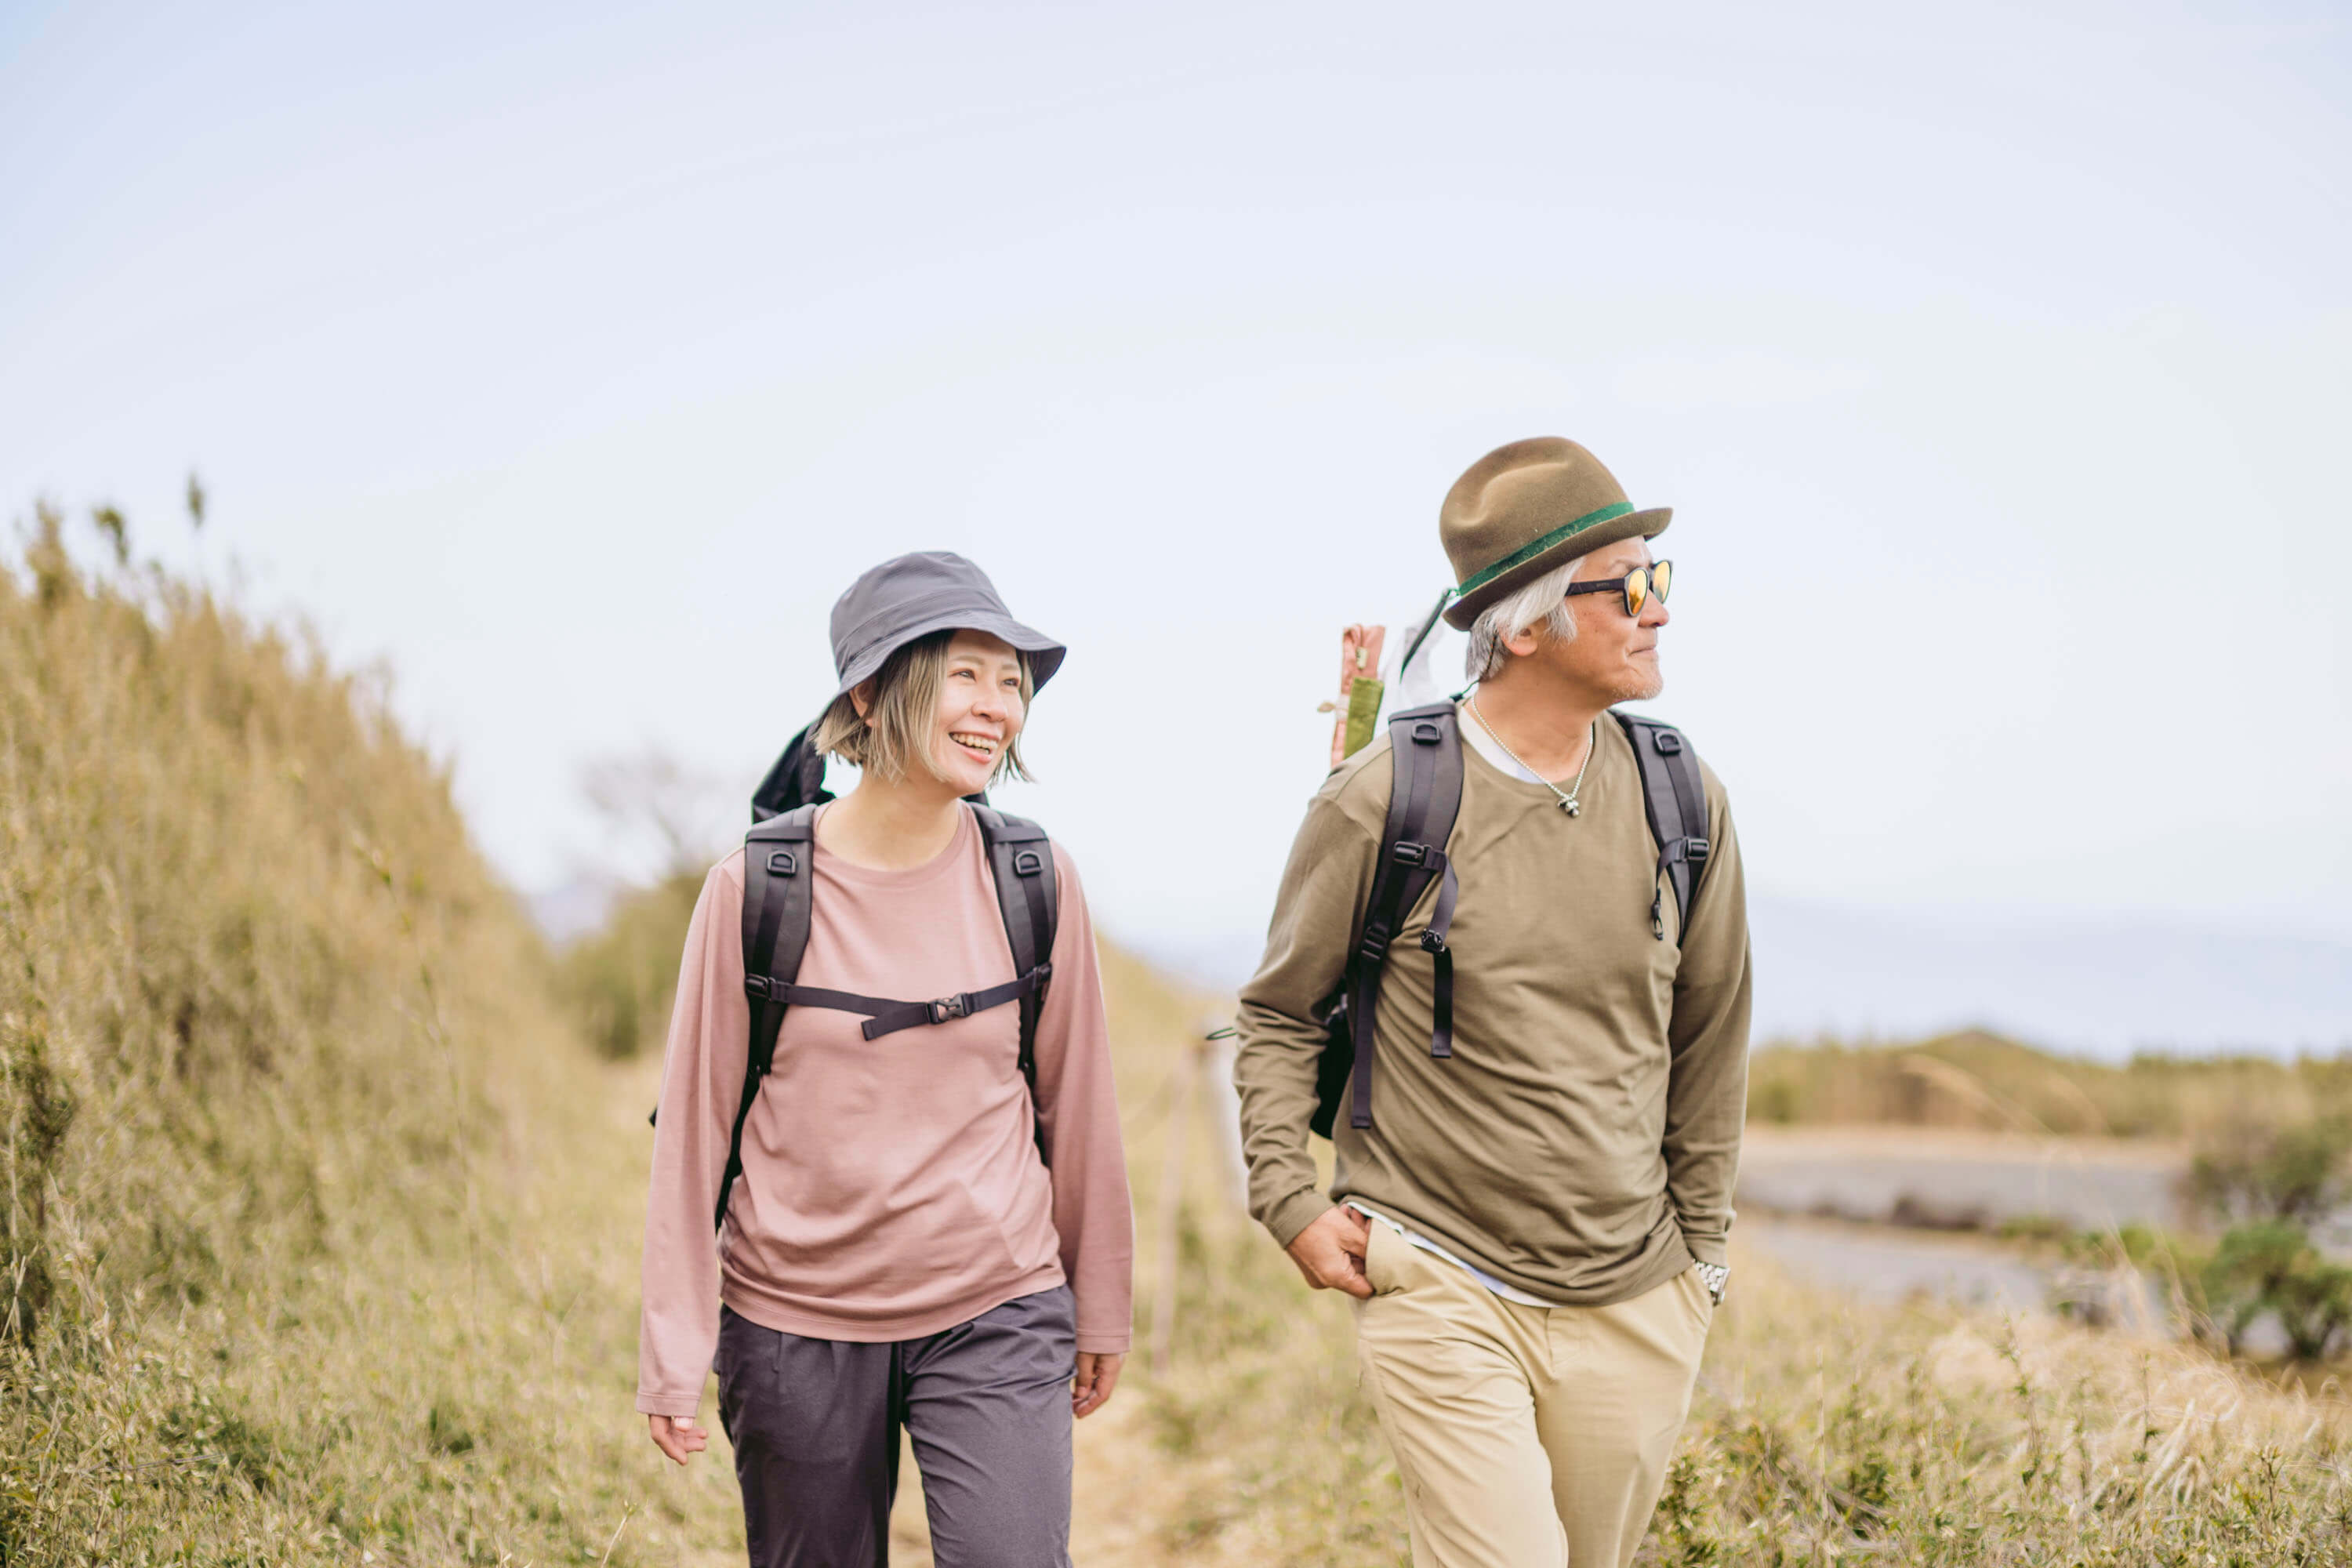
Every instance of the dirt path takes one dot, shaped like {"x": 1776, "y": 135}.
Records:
{"x": 1120, "y": 1498}
{"x": 1124, "y": 1496}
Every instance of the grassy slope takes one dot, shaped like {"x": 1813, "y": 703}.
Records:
{"x": 309, "y": 1241}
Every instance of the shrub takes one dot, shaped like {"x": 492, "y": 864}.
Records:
{"x": 619, "y": 981}
{"x": 2249, "y": 1170}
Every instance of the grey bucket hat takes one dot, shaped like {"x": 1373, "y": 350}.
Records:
{"x": 915, "y": 595}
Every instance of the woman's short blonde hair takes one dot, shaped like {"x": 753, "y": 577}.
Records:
{"x": 893, "y": 737}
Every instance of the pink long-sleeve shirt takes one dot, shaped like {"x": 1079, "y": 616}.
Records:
{"x": 891, "y": 1188}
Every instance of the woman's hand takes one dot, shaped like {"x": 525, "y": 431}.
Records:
{"x": 1098, "y": 1375}
{"x": 679, "y": 1435}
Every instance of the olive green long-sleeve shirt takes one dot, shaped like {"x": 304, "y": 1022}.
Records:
{"x": 1581, "y": 1143}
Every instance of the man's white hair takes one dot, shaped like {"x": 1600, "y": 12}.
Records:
{"x": 1542, "y": 604}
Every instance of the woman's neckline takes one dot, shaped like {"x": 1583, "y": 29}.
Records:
{"x": 835, "y": 864}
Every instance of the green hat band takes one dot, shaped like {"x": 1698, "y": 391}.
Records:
{"x": 1528, "y": 553}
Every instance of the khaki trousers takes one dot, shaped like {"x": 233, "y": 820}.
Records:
{"x": 1526, "y": 1436}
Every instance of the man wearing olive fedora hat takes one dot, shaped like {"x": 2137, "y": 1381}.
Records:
{"x": 1532, "y": 1185}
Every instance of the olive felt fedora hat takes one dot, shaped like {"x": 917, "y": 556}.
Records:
{"x": 1527, "y": 508}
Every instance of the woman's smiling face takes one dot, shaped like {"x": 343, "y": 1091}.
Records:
{"x": 980, "y": 709}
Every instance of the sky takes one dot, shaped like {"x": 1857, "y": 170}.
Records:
{"x": 568, "y": 361}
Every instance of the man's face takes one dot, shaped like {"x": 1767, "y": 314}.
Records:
{"x": 1614, "y": 656}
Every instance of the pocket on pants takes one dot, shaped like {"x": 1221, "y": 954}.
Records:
{"x": 1698, "y": 1298}
{"x": 1379, "y": 1271}
{"x": 729, "y": 1362}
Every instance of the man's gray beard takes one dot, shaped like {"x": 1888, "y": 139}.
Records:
{"x": 1636, "y": 689}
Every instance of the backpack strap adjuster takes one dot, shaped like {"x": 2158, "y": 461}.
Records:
{"x": 1409, "y": 854}
{"x": 757, "y": 986}
{"x": 1694, "y": 850}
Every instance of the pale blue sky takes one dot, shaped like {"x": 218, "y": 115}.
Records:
{"x": 1998, "y": 364}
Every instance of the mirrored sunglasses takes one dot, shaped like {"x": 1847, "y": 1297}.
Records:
{"x": 1637, "y": 585}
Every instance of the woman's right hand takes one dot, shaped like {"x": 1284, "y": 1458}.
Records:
{"x": 678, "y": 1435}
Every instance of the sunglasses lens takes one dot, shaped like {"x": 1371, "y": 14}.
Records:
{"x": 1661, "y": 577}
{"x": 1637, "y": 591}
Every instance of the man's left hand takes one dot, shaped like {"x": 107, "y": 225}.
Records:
{"x": 1098, "y": 1375}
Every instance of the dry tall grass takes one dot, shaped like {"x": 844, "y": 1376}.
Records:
{"x": 321, "y": 1224}
{"x": 309, "y": 1248}
{"x": 1822, "y": 1432}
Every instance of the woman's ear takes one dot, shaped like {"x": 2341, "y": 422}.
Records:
{"x": 861, "y": 696}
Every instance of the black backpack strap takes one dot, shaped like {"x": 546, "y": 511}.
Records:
{"x": 1028, "y": 895}
{"x": 1675, "y": 799}
{"x": 777, "y": 875}
{"x": 1424, "y": 798}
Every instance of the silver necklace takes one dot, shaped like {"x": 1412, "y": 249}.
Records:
{"x": 1567, "y": 796}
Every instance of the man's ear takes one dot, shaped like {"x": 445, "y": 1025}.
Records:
{"x": 1525, "y": 643}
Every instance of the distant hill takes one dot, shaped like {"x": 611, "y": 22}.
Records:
{"x": 2098, "y": 990}
{"x": 1974, "y": 1079}
{"x": 2101, "y": 989}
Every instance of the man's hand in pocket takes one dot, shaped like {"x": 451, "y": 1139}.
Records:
{"x": 1330, "y": 1252}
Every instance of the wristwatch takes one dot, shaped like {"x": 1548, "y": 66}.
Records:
{"x": 1714, "y": 1275}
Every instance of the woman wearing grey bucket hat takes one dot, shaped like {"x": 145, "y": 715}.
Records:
{"x": 922, "y": 1215}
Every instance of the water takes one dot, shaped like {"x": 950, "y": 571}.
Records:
{"x": 1927, "y": 1177}
{"x": 1885, "y": 1266}
{"x": 1888, "y": 1213}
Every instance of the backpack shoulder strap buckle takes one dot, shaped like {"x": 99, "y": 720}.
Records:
{"x": 1673, "y": 797}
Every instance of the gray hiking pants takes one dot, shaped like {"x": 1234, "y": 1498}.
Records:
{"x": 815, "y": 1427}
